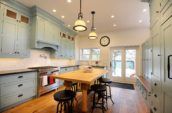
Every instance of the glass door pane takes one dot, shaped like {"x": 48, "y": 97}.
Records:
{"x": 117, "y": 63}
{"x": 130, "y": 62}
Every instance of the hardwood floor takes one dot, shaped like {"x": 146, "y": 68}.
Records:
{"x": 126, "y": 101}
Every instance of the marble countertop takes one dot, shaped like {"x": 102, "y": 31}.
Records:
{"x": 6, "y": 72}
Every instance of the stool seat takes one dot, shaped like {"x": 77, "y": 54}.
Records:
{"x": 105, "y": 80}
{"x": 98, "y": 88}
{"x": 64, "y": 95}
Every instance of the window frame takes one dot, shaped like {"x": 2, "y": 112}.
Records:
{"x": 90, "y": 55}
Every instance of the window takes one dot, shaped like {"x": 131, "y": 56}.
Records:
{"x": 90, "y": 54}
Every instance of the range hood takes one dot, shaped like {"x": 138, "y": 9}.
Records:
{"x": 46, "y": 45}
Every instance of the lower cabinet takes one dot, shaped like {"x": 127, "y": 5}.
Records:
{"x": 146, "y": 94}
{"x": 17, "y": 88}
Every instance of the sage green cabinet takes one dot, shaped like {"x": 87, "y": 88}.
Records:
{"x": 40, "y": 29}
{"x": 16, "y": 88}
{"x": 10, "y": 26}
{"x": 46, "y": 32}
{"x": 15, "y": 33}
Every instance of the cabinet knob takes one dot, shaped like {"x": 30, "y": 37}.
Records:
{"x": 20, "y": 85}
{"x": 155, "y": 84}
{"x": 157, "y": 11}
{"x": 20, "y": 76}
{"x": 20, "y": 95}
{"x": 154, "y": 108}
{"x": 159, "y": 55}
{"x": 155, "y": 95}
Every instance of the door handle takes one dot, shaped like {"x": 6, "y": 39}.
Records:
{"x": 110, "y": 64}
{"x": 169, "y": 66}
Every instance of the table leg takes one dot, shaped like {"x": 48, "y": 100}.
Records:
{"x": 68, "y": 85}
{"x": 84, "y": 88}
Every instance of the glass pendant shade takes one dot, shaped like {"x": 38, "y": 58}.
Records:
{"x": 80, "y": 25}
{"x": 92, "y": 35}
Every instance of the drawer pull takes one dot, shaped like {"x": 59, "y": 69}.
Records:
{"x": 20, "y": 95}
{"x": 20, "y": 85}
{"x": 20, "y": 76}
{"x": 155, "y": 84}
{"x": 154, "y": 108}
{"x": 155, "y": 96}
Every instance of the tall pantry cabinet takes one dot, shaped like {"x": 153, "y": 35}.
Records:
{"x": 166, "y": 70}
{"x": 161, "y": 39}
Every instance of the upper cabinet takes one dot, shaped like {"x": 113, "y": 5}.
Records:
{"x": 15, "y": 33}
{"x": 46, "y": 32}
{"x": 49, "y": 32}
{"x": 23, "y": 28}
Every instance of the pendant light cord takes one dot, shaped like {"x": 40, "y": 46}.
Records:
{"x": 93, "y": 12}
{"x": 80, "y": 15}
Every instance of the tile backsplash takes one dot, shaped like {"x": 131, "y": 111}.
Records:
{"x": 37, "y": 58}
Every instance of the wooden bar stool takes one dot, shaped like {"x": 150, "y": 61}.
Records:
{"x": 65, "y": 100}
{"x": 107, "y": 82}
{"x": 101, "y": 91}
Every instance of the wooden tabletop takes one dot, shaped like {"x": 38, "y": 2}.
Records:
{"x": 81, "y": 76}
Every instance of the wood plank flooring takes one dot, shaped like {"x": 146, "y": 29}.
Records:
{"x": 126, "y": 101}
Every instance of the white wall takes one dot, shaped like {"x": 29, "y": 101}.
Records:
{"x": 34, "y": 60}
{"x": 132, "y": 37}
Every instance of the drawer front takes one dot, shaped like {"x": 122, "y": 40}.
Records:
{"x": 156, "y": 85}
{"x": 156, "y": 102}
{"x": 26, "y": 94}
{"x": 15, "y": 87}
{"x": 11, "y": 99}
{"x": 8, "y": 100}
{"x": 8, "y": 79}
{"x": 166, "y": 13}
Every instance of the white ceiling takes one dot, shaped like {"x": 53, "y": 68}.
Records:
{"x": 127, "y": 12}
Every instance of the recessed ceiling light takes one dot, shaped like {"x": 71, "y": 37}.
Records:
{"x": 144, "y": 10}
{"x": 140, "y": 21}
{"x": 68, "y": 25}
{"x": 62, "y": 16}
{"x": 54, "y": 10}
{"x": 88, "y": 21}
{"x": 112, "y": 16}
{"x": 114, "y": 25}
{"x": 69, "y": 1}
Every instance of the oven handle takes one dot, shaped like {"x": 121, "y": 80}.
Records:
{"x": 169, "y": 67}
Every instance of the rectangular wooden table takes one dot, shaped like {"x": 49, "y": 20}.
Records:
{"x": 85, "y": 78}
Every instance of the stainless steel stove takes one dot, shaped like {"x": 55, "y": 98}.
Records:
{"x": 46, "y": 82}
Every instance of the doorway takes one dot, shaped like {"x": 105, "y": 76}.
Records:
{"x": 123, "y": 64}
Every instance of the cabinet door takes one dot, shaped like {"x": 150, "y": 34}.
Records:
{"x": 49, "y": 32}
{"x": 73, "y": 49}
{"x": 1, "y": 11}
{"x": 9, "y": 31}
{"x": 154, "y": 10}
{"x": 167, "y": 68}
{"x": 56, "y": 36}
{"x": 22, "y": 45}
{"x": 40, "y": 30}
{"x": 156, "y": 52}
{"x": 1, "y": 21}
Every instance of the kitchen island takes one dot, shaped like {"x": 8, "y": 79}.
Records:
{"x": 85, "y": 78}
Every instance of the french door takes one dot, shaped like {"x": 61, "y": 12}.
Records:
{"x": 123, "y": 64}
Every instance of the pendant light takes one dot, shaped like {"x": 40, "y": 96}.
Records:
{"x": 93, "y": 34}
{"x": 80, "y": 24}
